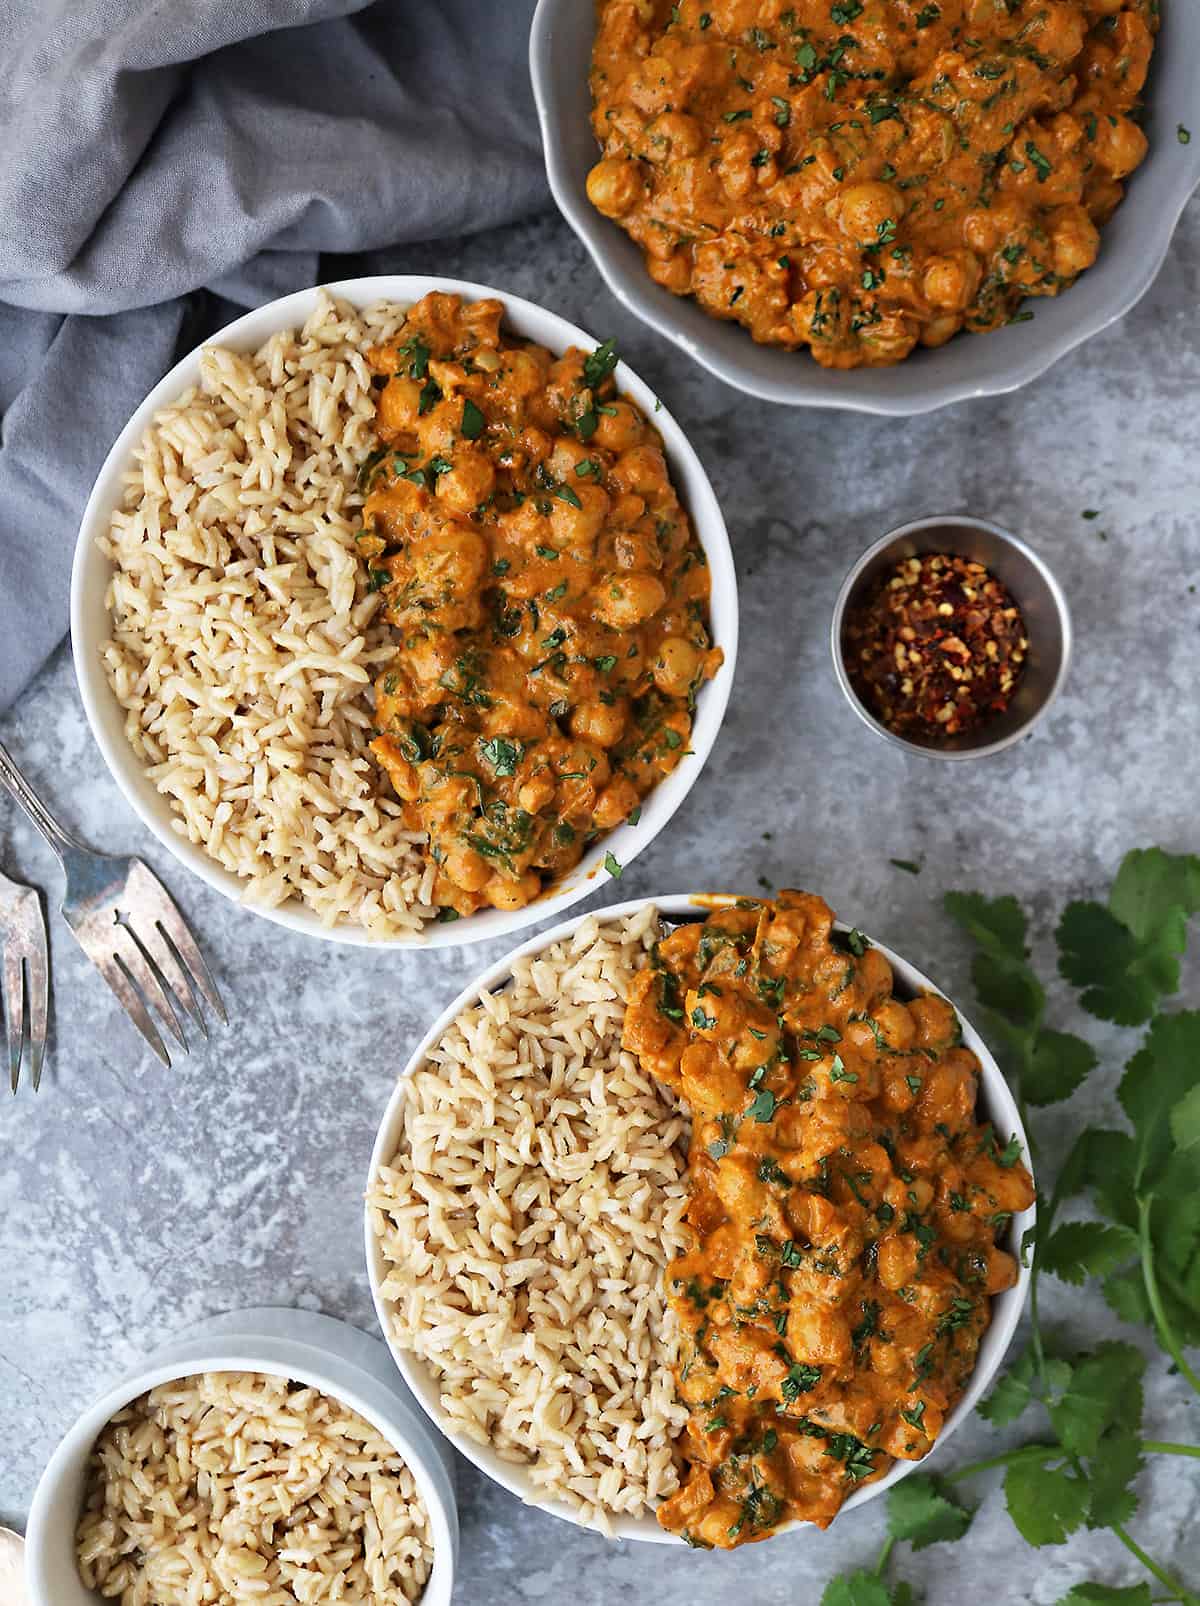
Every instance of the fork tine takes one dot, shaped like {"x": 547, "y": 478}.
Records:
{"x": 175, "y": 929}
{"x": 129, "y": 953}
{"x": 118, "y": 978}
{"x": 160, "y": 951}
{"x": 14, "y": 1010}
{"x": 38, "y": 969}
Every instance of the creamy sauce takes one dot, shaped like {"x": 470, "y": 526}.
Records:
{"x": 860, "y": 176}
{"x": 845, "y": 1206}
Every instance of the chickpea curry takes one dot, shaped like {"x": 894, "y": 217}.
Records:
{"x": 860, "y": 176}
{"x": 845, "y": 1205}
{"x": 549, "y": 595}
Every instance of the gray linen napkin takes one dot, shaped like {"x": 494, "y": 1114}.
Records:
{"x": 157, "y": 148}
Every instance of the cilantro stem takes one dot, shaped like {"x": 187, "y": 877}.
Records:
{"x": 1166, "y": 1332}
{"x": 1151, "y": 1566}
{"x": 883, "y": 1556}
{"x": 1162, "y": 1447}
{"x": 1028, "y": 1452}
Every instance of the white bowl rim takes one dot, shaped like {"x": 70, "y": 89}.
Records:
{"x": 105, "y": 719}
{"x": 300, "y": 1358}
{"x": 1001, "y": 1107}
{"x": 808, "y": 390}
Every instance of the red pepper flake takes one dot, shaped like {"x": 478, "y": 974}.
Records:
{"x": 937, "y": 648}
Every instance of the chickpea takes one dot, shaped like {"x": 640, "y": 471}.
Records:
{"x": 1075, "y": 239}
{"x": 466, "y": 868}
{"x": 1119, "y": 145}
{"x": 865, "y": 210}
{"x": 470, "y": 481}
{"x": 566, "y": 455}
{"x": 451, "y": 560}
{"x": 625, "y": 600}
{"x": 670, "y": 134}
{"x": 624, "y": 426}
{"x": 897, "y": 1262}
{"x": 1058, "y": 32}
{"x": 397, "y": 406}
{"x": 950, "y": 281}
{"x": 602, "y": 723}
{"x": 673, "y": 272}
{"x": 889, "y": 340}
{"x": 616, "y": 803}
{"x": 1001, "y": 1271}
{"x": 676, "y": 667}
{"x": 536, "y": 793}
{"x": 614, "y": 186}
{"x": 574, "y": 529}
{"x": 936, "y": 331}
{"x": 504, "y": 894}
{"x": 641, "y": 469}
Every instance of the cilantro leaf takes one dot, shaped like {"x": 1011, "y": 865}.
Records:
{"x": 1011, "y": 1395}
{"x": 613, "y": 865}
{"x": 1149, "y": 885}
{"x": 1126, "y": 955}
{"x": 1059, "y": 1064}
{"x": 1160, "y": 1075}
{"x": 1089, "y": 1594}
{"x": 920, "y": 1511}
{"x": 1185, "y": 1120}
{"x": 856, "y": 1589}
{"x": 997, "y": 925}
{"x": 1047, "y": 1504}
{"x": 599, "y": 364}
{"x": 1119, "y": 979}
{"x": 1104, "y": 1390}
{"x": 1112, "y": 1470}
{"x": 1081, "y": 1249}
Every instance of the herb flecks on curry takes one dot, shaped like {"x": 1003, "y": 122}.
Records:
{"x": 845, "y": 1204}
{"x": 549, "y": 594}
{"x": 858, "y": 176}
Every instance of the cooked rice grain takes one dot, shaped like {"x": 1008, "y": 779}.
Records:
{"x": 233, "y": 1486}
{"x": 527, "y": 1220}
{"x": 244, "y": 637}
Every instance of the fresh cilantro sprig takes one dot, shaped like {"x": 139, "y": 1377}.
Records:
{"x": 1124, "y": 955}
{"x": 1047, "y": 1065}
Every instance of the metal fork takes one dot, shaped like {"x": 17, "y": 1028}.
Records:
{"x": 25, "y": 979}
{"x": 127, "y": 925}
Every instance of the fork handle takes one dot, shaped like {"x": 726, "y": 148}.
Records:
{"x": 11, "y": 778}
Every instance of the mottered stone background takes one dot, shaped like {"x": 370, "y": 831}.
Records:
{"x": 134, "y": 1201}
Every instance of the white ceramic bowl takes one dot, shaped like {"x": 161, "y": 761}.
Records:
{"x": 90, "y": 626}
{"x": 1133, "y": 244}
{"x": 995, "y": 1100}
{"x": 315, "y": 1350}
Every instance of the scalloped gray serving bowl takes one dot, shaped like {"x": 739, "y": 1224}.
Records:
{"x": 1133, "y": 244}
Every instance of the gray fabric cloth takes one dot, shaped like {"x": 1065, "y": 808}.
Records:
{"x": 155, "y": 149}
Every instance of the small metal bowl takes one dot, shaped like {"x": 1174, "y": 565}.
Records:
{"x": 1034, "y": 590}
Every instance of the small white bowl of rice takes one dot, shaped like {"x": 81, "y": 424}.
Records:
{"x": 272, "y": 1455}
{"x": 526, "y": 1192}
{"x": 226, "y": 635}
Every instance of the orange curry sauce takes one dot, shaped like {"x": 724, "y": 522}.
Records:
{"x": 845, "y": 1206}
{"x": 549, "y": 595}
{"x": 859, "y": 176}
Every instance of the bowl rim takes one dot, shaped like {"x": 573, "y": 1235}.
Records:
{"x": 1006, "y": 1307}
{"x": 809, "y": 389}
{"x": 304, "y": 1356}
{"x": 1007, "y": 538}
{"x": 90, "y": 567}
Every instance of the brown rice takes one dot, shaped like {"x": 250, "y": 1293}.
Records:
{"x": 234, "y": 1486}
{"x": 527, "y": 1219}
{"x": 244, "y": 638}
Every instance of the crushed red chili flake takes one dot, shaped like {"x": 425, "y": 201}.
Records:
{"x": 937, "y": 648}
